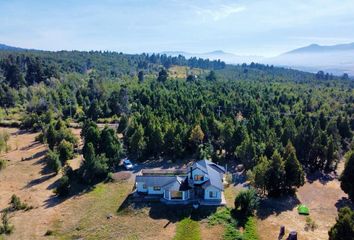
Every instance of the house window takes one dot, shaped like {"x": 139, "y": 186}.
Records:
{"x": 144, "y": 186}
{"x": 198, "y": 178}
{"x": 157, "y": 188}
{"x": 212, "y": 194}
{"x": 176, "y": 195}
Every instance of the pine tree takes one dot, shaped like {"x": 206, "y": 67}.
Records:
{"x": 344, "y": 227}
{"x": 137, "y": 144}
{"x": 197, "y": 135}
{"x": 259, "y": 174}
{"x": 294, "y": 174}
{"x": 275, "y": 175}
{"x": 347, "y": 177}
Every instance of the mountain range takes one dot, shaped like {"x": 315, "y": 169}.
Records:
{"x": 336, "y": 59}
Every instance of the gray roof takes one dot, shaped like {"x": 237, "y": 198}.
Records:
{"x": 213, "y": 171}
{"x": 157, "y": 181}
{"x": 180, "y": 183}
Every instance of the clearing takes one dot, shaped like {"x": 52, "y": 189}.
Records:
{"x": 321, "y": 193}
{"x": 90, "y": 214}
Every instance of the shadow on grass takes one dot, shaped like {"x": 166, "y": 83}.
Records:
{"x": 159, "y": 210}
{"x": 322, "y": 177}
{"x": 77, "y": 188}
{"x": 270, "y": 206}
{"x": 40, "y": 155}
{"x": 39, "y": 180}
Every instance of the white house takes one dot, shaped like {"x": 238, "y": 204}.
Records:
{"x": 202, "y": 183}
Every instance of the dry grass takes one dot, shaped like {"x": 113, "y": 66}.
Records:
{"x": 86, "y": 217}
{"x": 181, "y": 72}
{"x": 321, "y": 197}
{"x": 26, "y": 177}
{"x": 83, "y": 215}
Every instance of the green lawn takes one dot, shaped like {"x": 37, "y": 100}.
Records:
{"x": 187, "y": 229}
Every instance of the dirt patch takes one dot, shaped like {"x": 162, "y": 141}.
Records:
{"x": 322, "y": 197}
{"x": 212, "y": 232}
{"x": 124, "y": 175}
{"x": 27, "y": 177}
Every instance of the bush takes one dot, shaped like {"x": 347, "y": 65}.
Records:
{"x": 53, "y": 161}
{"x": 66, "y": 151}
{"x": 4, "y": 138}
{"x": 5, "y": 226}
{"x": 63, "y": 188}
{"x": 110, "y": 177}
{"x": 250, "y": 232}
{"x": 16, "y": 204}
{"x": 247, "y": 202}
{"x": 222, "y": 216}
{"x": 2, "y": 164}
{"x": 310, "y": 224}
{"x": 231, "y": 233}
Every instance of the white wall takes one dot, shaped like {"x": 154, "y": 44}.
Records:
{"x": 216, "y": 192}
{"x": 139, "y": 187}
{"x": 152, "y": 191}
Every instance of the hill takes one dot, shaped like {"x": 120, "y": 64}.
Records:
{"x": 4, "y": 47}
{"x": 336, "y": 59}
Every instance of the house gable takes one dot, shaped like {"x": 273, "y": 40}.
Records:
{"x": 199, "y": 176}
{"x": 212, "y": 193}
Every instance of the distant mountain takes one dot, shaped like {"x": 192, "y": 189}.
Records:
{"x": 215, "y": 55}
{"x": 315, "y": 48}
{"x": 10, "y": 48}
{"x": 336, "y": 59}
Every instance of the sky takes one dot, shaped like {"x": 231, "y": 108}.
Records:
{"x": 242, "y": 27}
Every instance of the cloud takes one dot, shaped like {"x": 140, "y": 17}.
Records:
{"x": 221, "y": 12}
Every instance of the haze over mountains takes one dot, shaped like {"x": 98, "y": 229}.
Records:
{"x": 336, "y": 59}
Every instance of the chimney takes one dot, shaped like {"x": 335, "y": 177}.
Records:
{"x": 191, "y": 173}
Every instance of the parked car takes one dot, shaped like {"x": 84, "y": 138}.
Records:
{"x": 127, "y": 164}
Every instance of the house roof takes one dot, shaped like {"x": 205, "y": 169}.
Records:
{"x": 172, "y": 183}
{"x": 157, "y": 181}
{"x": 213, "y": 171}
{"x": 180, "y": 184}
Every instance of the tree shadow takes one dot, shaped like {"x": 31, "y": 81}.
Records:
{"x": 31, "y": 146}
{"x": 344, "y": 202}
{"x": 77, "y": 189}
{"x": 270, "y": 206}
{"x": 40, "y": 154}
{"x": 322, "y": 177}
{"x": 39, "y": 180}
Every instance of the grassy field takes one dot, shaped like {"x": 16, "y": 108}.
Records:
{"x": 84, "y": 215}
{"x": 181, "y": 72}
{"x": 188, "y": 229}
